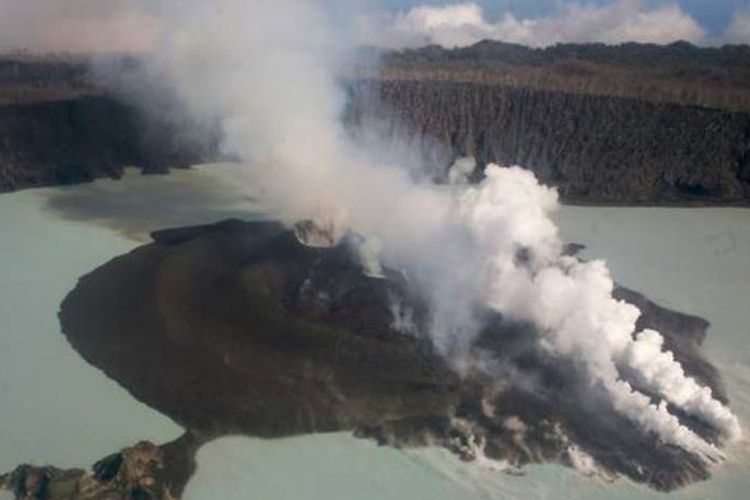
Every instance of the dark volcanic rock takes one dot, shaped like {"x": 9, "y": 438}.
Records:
{"x": 239, "y": 328}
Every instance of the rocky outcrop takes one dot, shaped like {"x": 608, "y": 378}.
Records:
{"x": 239, "y": 328}
{"x": 596, "y": 149}
{"x": 143, "y": 472}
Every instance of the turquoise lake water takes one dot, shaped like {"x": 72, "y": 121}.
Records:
{"x": 58, "y": 409}
{"x": 55, "y": 408}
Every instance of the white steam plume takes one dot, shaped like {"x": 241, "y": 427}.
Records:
{"x": 571, "y": 302}
{"x": 266, "y": 69}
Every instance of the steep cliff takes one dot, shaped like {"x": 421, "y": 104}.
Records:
{"x": 597, "y": 149}
{"x": 630, "y": 124}
{"x": 80, "y": 138}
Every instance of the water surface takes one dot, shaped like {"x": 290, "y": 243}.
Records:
{"x": 54, "y": 407}
{"x": 57, "y": 409}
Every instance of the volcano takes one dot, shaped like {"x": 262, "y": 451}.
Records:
{"x": 241, "y": 328}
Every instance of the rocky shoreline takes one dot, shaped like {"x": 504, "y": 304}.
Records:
{"x": 238, "y": 328}
{"x": 143, "y": 471}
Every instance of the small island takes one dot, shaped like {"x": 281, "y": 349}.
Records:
{"x": 241, "y": 328}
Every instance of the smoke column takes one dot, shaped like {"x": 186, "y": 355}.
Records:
{"x": 267, "y": 69}
{"x": 571, "y": 303}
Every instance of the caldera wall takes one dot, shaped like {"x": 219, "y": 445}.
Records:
{"x": 597, "y": 146}
{"x": 83, "y": 137}
{"x": 597, "y": 149}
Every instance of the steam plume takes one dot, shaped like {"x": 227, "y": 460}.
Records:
{"x": 266, "y": 69}
{"x": 571, "y": 302}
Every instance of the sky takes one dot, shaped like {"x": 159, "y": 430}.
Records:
{"x": 134, "y": 25}
{"x": 412, "y": 23}
{"x": 714, "y": 15}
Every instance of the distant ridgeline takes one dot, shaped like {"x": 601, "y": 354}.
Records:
{"x": 627, "y": 124}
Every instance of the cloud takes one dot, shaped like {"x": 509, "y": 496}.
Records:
{"x": 738, "y": 30}
{"x": 464, "y": 24}
{"x": 136, "y": 25}
{"x": 77, "y": 26}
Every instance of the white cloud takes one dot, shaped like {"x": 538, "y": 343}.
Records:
{"x": 464, "y": 24}
{"x": 78, "y": 26}
{"x": 738, "y": 30}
